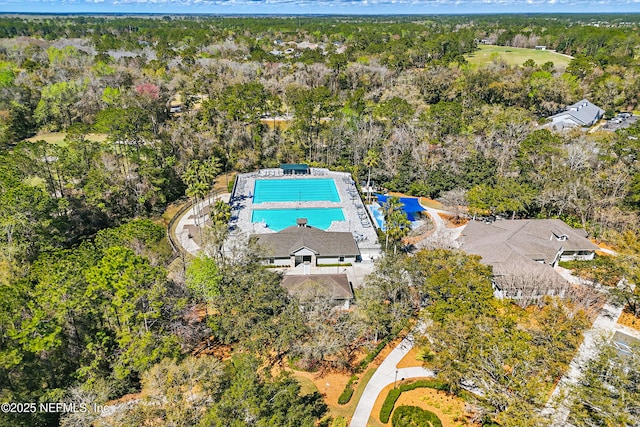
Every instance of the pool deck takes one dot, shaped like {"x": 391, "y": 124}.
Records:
{"x": 357, "y": 219}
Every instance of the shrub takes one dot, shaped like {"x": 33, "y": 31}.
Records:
{"x": 434, "y": 384}
{"x": 412, "y": 416}
{"x": 387, "y": 405}
{"x": 372, "y": 355}
{"x": 394, "y": 394}
{"x": 345, "y": 397}
{"x": 231, "y": 184}
{"x": 339, "y": 422}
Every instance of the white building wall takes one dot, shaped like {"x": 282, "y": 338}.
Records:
{"x": 336, "y": 260}
{"x": 577, "y": 256}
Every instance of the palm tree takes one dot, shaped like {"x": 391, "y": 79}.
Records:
{"x": 370, "y": 161}
{"x": 209, "y": 170}
{"x": 190, "y": 178}
{"x": 397, "y": 225}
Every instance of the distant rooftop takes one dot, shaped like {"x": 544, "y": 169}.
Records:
{"x": 583, "y": 112}
{"x": 294, "y": 167}
{"x": 537, "y": 239}
{"x": 519, "y": 250}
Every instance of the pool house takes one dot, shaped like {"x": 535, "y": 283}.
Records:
{"x": 302, "y": 244}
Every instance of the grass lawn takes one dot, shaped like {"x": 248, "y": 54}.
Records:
{"x": 57, "y": 138}
{"x": 628, "y": 319}
{"x": 306, "y": 386}
{"x": 431, "y": 203}
{"x": 515, "y": 56}
{"x": 220, "y": 186}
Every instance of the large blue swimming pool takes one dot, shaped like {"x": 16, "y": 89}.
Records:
{"x": 295, "y": 190}
{"x": 278, "y": 219}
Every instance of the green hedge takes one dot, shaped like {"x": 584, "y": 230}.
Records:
{"x": 387, "y": 406}
{"x": 339, "y": 422}
{"x": 412, "y": 416}
{"x": 435, "y": 384}
{"x": 394, "y": 394}
{"x": 345, "y": 397}
{"x": 372, "y": 355}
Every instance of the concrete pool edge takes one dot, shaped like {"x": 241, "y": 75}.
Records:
{"x": 299, "y": 189}
{"x": 351, "y": 202}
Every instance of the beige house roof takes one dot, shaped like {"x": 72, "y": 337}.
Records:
{"x": 323, "y": 243}
{"x": 335, "y": 286}
{"x": 521, "y": 251}
{"x": 536, "y": 239}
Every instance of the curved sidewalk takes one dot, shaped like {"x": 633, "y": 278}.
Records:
{"x": 186, "y": 224}
{"x": 386, "y": 374}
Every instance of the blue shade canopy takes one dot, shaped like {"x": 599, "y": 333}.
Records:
{"x": 411, "y": 204}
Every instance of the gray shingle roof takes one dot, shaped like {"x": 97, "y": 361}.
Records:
{"x": 335, "y": 286}
{"x": 324, "y": 243}
{"x": 583, "y": 112}
{"x": 534, "y": 238}
{"x": 514, "y": 248}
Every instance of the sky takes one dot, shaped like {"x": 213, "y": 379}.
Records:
{"x": 373, "y": 7}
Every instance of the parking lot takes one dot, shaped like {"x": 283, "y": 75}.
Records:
{"x": 621, "y": 121}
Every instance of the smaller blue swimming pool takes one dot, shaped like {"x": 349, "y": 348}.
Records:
{"x": 278, "y": 219}
{"x": 378, "y": 215}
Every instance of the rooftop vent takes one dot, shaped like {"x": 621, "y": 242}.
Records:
{"x": 302, "y": 222}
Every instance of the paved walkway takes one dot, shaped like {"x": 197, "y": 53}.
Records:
{"x": 604, "y": 327}
{"x": 186, "y": 226}
{"x": 441, "y": 236}
{"x": 386, "y": 374}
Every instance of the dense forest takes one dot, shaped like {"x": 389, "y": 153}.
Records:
{"x": 150, "y": 110}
